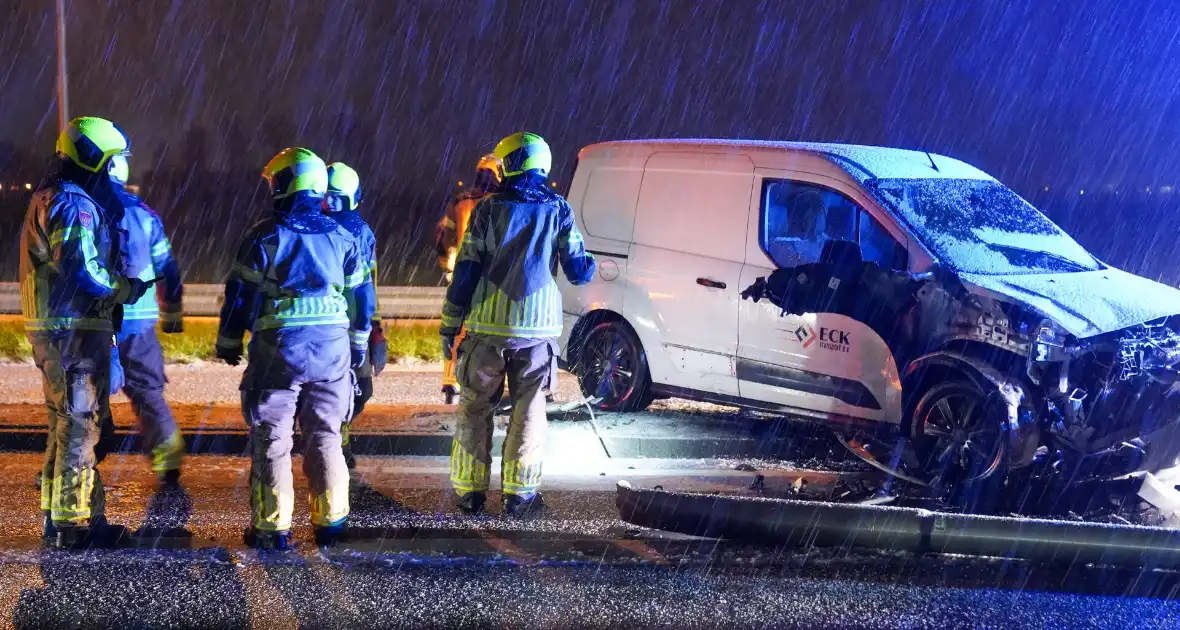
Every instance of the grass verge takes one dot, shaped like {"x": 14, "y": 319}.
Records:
{"x": 411, "y": 340}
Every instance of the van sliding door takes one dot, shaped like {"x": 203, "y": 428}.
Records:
{"x": 685, "y": 267}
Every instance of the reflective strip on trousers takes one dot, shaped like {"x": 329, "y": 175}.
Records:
{"x": 468, "y": 474}
{"x": 70, "y": 495}
{"x": 521, "y": 479}
{"x": 330, "y": 508}
{"x": 272, "y": 507}
{"x": 167, "y": 454}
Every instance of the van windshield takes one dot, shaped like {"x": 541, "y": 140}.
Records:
{"x": 982, "y": 227}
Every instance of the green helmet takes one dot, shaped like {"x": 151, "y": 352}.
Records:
{"x": 295, "y": 170}
{"x": 344, "y": 181}
{"x": 90, "y": 142}
{"x": 522, "y": 152}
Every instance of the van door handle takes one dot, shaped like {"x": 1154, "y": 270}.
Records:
{"x": 712, "y": 284}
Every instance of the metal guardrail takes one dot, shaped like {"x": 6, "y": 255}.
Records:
{"x": 206, "y": 299}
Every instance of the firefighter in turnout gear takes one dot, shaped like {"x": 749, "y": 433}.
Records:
{"x": 71, "y": 297}
{"x": 301, "y": 284}
{"x": 341, "y": 201}
{"x": 448, "y": 236}
{"x": 149, "y": 257}
{"x": 505, "y": 296}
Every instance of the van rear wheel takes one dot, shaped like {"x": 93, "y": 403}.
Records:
{"x": 613, "y": 366}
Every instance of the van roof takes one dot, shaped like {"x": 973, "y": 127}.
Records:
{"x": 862, "y": 162}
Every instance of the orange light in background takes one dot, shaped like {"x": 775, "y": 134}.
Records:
{"x": 28, "y": 186}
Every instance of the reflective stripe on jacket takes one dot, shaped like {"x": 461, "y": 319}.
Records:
{"x": 504, "y": 283}
{"x": 148, "y": 257}
{"x": 297, "y": 268}
{"x": 68, "y": 262}
{"x": 356, "y": 225}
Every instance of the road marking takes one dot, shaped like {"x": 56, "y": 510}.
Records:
{"x": 641, "y": 549}
{"x": 506, "y": 548}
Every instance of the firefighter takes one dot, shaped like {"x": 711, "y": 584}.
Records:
{"x": 504, "y": 295}
{"x": 71, "y": 295}
{"x": 341, "y": 201}
{"x": 148, "y": 257}
{"x": 301, "y": 284}
{"x": 448, "y": 235}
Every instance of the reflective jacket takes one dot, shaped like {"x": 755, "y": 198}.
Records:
{"x": 352, "y": 221}
{"x": 148, "y": 257}
{"x": 504, "y": 278}
{"x": 448, "y": 234}
{"x": 69, "y": 257}
{"x": 297, "y": 268}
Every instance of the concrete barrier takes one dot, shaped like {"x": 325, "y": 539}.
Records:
{"x": 205, "y": 300}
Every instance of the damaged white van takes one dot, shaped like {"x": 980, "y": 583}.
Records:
{"x": 1043, "y": 343}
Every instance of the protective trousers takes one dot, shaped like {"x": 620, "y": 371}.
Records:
{"x": 143, "y": 369}
{"x": 75, "y": 376}
{"x": 483, "y": 364}
{"x": 303, "y": 373}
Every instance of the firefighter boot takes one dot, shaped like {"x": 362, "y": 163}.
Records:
{"x": 517, "y": 505}
{"x": 471, "y": 502}
{"x": 267, "y": 541}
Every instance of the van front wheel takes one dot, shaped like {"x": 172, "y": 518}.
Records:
{"x": 613, "y": 366}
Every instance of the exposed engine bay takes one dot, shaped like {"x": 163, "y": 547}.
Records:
{"x": 1059, "y": 411}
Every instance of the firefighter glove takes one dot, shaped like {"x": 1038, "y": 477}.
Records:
{"x": 132, "y": 290}
{"x": 231, "y": 356}
{"x": 378, "y": 354}
{"x": 448, "y": 347}
{"x": 358, "y": 356}
{"x": 172, "y": 322}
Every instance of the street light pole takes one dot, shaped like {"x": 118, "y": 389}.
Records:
{"x": 63, "y": 92}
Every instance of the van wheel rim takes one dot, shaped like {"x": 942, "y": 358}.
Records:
{"x": 956, "y": 428}
{"x": 610, "y": 366}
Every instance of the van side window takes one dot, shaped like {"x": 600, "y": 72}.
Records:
{"x": 879, "y": 246}
{"x": 797, "y": 218}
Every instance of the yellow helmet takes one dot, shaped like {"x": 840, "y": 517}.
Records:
{"x": 344, "y": 181}
{"x": 523, "y": 152}
{"x": 491, "y": 164}
{"x": 294, "y": 170}
{"x": 120, "y": 170}
{"x": 90, "y": 141}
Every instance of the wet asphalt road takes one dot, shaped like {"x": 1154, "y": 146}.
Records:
{"x": 416, "y": 563}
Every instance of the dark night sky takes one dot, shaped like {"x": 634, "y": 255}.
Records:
{"x": 1036, "y": 92}
{"x": 1055, "y": 91}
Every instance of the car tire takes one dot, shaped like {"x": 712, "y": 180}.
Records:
{"x": 612, "y": 365}
{"x": 957, "y": 428}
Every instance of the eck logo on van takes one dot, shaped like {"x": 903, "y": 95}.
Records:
{"x": 805, "y": 334}
{"x": 834, "y": 340}
{"x": 829, "y": 338}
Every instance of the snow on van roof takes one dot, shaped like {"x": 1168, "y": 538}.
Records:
{"x": 862, "y": 162}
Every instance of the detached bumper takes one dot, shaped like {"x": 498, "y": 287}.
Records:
{"x": 822, "y": 524}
